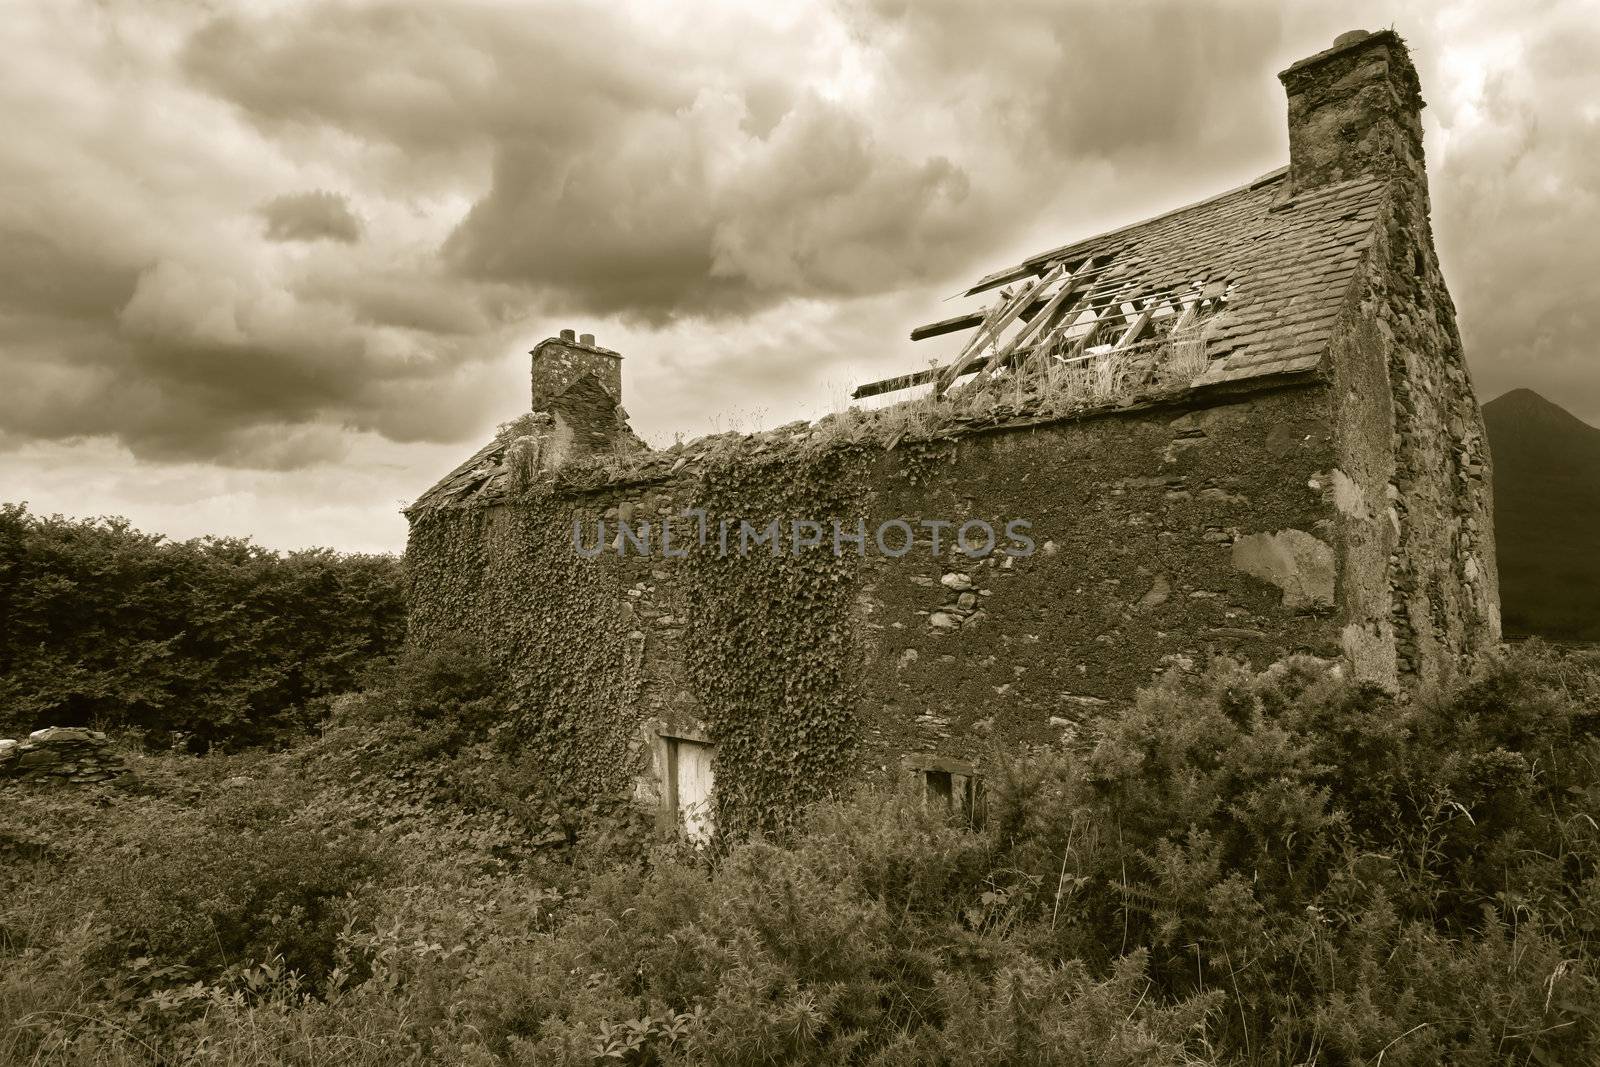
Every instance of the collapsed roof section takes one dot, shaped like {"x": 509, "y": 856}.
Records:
{"x": 1280, "y": 265}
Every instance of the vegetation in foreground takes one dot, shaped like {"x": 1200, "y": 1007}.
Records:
{"x": 1253, "y": 868}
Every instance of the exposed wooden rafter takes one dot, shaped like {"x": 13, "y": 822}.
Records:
{"x": 1002, "y": 277}
{"x": 1070, "y": 294}
{"x": 993, "y": 328}
{"x": 1051, "y": 306}
{"x": 904, "y": 381}
{"x": 950, "y": 325}
{"x": 1141, "y": 323}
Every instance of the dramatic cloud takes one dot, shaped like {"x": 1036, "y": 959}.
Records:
{"x": 687, "y": 214}
{"x": 260, "y": 243}
{"x": 1518, "y": 201}
{"x": 311, "y": 216}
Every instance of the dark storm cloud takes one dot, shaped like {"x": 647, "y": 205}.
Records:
{"x": 159, "y": 289}
{"x": 313, "y": 216}
{"x": 1102, "y": 79}
{"x": 640, "y": 221}
{"x": 625, "y": 178}
{"x": 678, "y": 208}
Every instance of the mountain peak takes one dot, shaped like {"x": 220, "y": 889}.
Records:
{"x": 1528, "y": 407}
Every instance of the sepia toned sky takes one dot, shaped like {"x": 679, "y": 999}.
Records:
{"x": 271, "y": 268}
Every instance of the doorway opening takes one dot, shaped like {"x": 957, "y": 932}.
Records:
{"x": 689, "y": 783}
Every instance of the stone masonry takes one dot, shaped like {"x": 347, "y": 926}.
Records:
{"x": 60, "y": 754}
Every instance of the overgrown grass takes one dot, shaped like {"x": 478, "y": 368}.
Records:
{"x": 1274, "y": 867}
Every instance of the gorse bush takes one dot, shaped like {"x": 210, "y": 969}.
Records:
{"x": 1279, "y": 867}
{"x": 216, "y": 638}
{"x": 879, "y": 937}
{"x": 1346, "y": 869}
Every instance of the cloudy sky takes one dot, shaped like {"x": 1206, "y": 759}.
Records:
{"x": 270, "y": 268}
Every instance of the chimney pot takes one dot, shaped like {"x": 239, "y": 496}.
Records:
{"x": 586, "y": 339}
{"x": 568, "y": 335}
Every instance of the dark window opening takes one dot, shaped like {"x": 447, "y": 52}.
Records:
{"x": 960, "y": 794}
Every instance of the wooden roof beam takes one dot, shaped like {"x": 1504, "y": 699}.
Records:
{"x": 1001, "y": 277}
{"x": 950, "y": 325}
{"x": 1070, "y": 294}
{"x": 1141, "y": 323}
{"x": 992, "y": 329}
{"x": 1038, "y": 265}
{"x": 904, "y": 381}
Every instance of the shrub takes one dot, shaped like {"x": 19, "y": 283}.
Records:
{"x": 215, "y": 638}
{"x": 876, "y": 938}
{"x": 1346, "y": 868}
{"x": 1269, "y": 867}
{"x": 250, "y": 877}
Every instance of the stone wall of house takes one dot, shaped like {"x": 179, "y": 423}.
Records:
{"x": 60, "y": 754}
{"x": 1343, "y": 513}
{"x": 1411, "y": 433}
{"x": 1444, "y": 581}
{"x": 1162, "y": 535}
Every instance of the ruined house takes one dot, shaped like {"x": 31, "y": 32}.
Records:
{"x": 1244, "y": 427}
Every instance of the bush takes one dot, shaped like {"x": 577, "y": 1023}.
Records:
{"x": 1359, "y": 876}
{"x": 215, "y": 638}
{"x": 1275, "y": 867}
{"x": 878, "y": 938}
{"x": 448, "y": 692}
{"x": 435, "y": 717}
{"x": 250, "y": 877}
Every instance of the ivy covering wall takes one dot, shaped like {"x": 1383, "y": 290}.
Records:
{"x": 768, "y": 646}
{"x": 771, "y": 648}
{"x": 507, "y": 578}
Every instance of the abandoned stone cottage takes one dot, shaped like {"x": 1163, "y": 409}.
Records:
{"x": 1244, "y": 427}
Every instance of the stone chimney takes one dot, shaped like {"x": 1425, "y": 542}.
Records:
{"x": 577, "y": 403}
{"x": 1354, "y": 109}
{"x": 559, "y": 362}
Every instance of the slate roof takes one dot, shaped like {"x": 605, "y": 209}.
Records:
{"x": 480, "y": 479}
{"x": 1286, "y": 264}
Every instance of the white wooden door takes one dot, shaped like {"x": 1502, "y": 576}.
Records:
{"x": 691, "y": 775}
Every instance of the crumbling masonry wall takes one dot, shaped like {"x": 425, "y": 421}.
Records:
{"x": 1164, "y": 534}
{"x": 60, "y": 755}
{"x": 1418, "y": 504}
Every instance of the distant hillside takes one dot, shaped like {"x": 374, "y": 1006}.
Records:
{"x": 1547, "y": 516}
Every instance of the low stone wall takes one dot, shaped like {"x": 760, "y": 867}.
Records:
{"x": 63, "y": 754}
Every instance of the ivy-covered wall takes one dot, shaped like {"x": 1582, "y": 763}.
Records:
{"x": 813, "y": 669}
